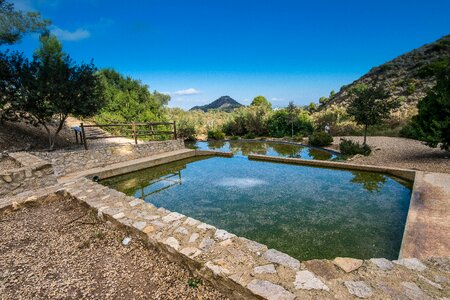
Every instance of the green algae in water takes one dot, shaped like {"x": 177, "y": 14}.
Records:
{"x": 303, "y": 211}
{"x": 244, "y": 148}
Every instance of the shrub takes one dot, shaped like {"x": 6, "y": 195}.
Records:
{"x": 234, "y": 138}
{"x": 186, "y": 131}
{"x": 250, "y": 136}
{"x": 433, "y": 68}
{"x": 350, "y": 148}
{"x": 320, "y": 139}
{"x": 216, "y": 134}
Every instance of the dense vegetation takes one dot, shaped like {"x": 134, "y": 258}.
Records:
{"x": 432, "y": 124}
{"x": 48, "y": 88}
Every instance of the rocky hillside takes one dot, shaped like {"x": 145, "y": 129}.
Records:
{"x": 225, "y": 103}
{"x": 407, "y": 77}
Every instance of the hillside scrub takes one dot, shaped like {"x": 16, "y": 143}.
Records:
{"x": 432, "y": 124}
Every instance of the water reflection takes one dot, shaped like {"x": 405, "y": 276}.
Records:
{"x": 264, "y": 148}
{"x": 303, "y": 211}
{"x": 372, "y": 182}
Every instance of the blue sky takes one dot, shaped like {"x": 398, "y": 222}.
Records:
{"x": 200, "y": 50}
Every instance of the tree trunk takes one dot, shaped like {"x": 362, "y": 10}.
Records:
{"x": 365, "y": 134}
{"x": 292, "y": 129}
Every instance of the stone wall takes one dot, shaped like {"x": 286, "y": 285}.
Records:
{"x": 245, "y": 269}
{"x": 66, "y": 162}
{"x": 34, "y": 173}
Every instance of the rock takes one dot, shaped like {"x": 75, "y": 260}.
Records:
{"x": 413, "y": 292}
{"x": 205, "y": 226}
{"x": 126, "y": 241}
{"x": 149, "y": 229}
{"x": 253, "y": 246}
{"x": 269, "y": 290}
{"x": 118, "y": 216}
{"x": 193, "y": 237}
{"x": 139, "y": 225}
{"x": 281, "y": 258}
{"x": 191, "y": 222}
{"x": 174, "y": 216}
{"x": 308, "y": 281}
{"x": 322, "y": 268}
{"x": 358, "y": 288}
{"x": 382, "y": 263}
{"x": 182, "y": 230}
{"x": 348, "y": 264}
{"x": 206, "y": 244}
{"x": 432, "y": 283}
{"x": 216, "y": 269}
{"x": 172, "y": 242}
{"x": 266, "y": 269}
{"x": 411, "y": 263}
{"x": 7, "y": 178}
{"x": 223, "y": 235}
{"x": 191, "y": 252}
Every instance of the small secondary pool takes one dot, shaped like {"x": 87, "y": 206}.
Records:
{"x": 303, "y": 211}
{"x": 244, "y": 148}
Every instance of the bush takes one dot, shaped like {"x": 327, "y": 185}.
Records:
{"x": 216, "y": 134}
{"x": 433, "y": 68}
{"x": 234, "y": 138}
{"x": 186, "y": 131}
{"x": 350, "y": 148}
{"x": 320, "y": 139}
{"x": 250, "y": 136}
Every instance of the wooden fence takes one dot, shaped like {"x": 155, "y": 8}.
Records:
{"x": 127, "y": 130}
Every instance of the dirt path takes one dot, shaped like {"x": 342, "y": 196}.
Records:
{"x": 60, "y": 250}
{"x": 401, "y": 153}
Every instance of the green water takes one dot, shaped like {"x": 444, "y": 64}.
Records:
{"x": 244, "y": 148}
{"x": 303, "y": 211}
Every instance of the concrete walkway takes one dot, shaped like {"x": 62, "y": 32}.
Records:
{"x": 427, "y": 230}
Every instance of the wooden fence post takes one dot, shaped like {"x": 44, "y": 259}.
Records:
{"x": 133, "y": 128}
{"x": 174, "y": 130}
{"x": 83, "y": 136}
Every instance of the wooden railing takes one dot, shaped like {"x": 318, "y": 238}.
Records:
{"x": 127, "y": 130}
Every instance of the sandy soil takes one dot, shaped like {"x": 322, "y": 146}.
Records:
{"x": 59, "y": 250}
{"x": 401, "y": 153}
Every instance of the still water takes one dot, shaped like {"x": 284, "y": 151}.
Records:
{"x": 244, "y": 148}
{"x": 303, "y": 211}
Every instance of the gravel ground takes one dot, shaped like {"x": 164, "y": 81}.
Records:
{"x": 7, "y": 163}
{"x": 401, "y": 153}
{"x": 59, "y": 250}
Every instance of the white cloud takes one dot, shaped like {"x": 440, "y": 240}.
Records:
{"x": 187, "y": 92}
{"x": 277, "y": 99}
{"x": 65, "y": 35}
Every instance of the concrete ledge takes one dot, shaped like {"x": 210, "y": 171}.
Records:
{"x": 214, "y": 153}
{"x": 401, "y": 173}
{"x": 427, "y": 229}
{"x": 131, "y": 166}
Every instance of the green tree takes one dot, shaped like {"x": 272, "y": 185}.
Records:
{"x": 292, "y": 115}
{"x": 13, "y": 68}
{"x": 261, "y": 101}
{"x": 128, "y": 100}
{"x": 15, "y": 23}
{"x": 432, "y": 124}
{"x": 56, "y": 86}
{"x": 370, "y": 106}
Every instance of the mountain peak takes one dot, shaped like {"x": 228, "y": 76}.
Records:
{"x": 225, "y": 103}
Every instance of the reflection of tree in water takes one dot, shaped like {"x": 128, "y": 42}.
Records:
{"x": 373, "y": 182}
{"x": 135, "y": 181}
{"x": 286, "y": 150}
{"x": 249, "y": 147}
{"x": 319, "y": 154}
{"x": 215, "y": 144}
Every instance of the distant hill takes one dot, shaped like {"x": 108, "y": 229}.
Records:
{"x": 408, "y": 76}
{"x": 225, "y": 103}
